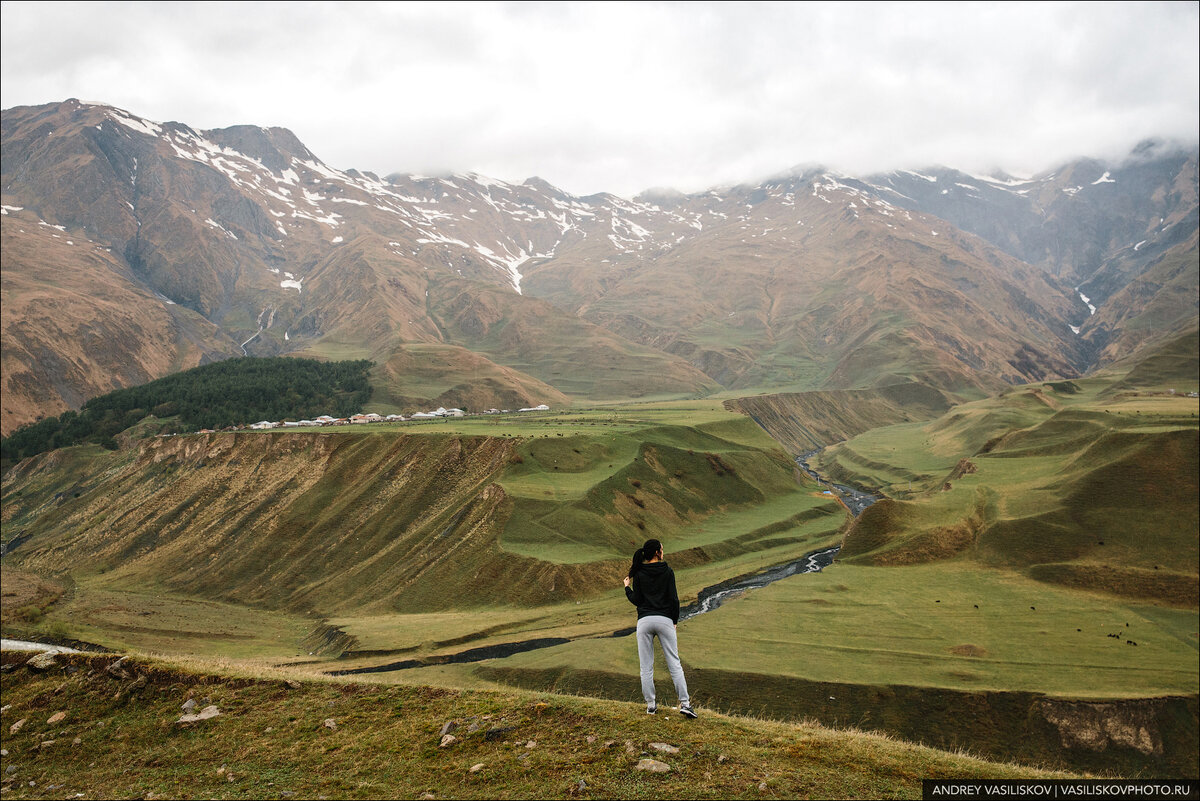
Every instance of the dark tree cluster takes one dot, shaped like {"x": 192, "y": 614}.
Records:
{"x": 226, "y": 393}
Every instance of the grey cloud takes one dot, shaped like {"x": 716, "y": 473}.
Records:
{"x": 621, "y": 96}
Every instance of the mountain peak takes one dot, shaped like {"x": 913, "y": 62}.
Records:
{"x": 274, "y": 147}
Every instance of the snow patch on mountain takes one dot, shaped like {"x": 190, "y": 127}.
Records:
{"x": 134, "y": 123}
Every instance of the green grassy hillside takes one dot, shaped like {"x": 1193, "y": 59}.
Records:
{"x": 803, "y": 421}
{"x": 1072, "y": 483}
{"x": 497, "y": 515}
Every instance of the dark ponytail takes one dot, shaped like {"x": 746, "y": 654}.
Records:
{"x": 639, "y": 559}
{"x": 648, "y": 550}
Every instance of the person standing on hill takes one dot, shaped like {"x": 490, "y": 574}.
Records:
{"x": 650, "y": 586}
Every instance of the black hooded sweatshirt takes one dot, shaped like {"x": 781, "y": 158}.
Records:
{"x": 653, "y": 591}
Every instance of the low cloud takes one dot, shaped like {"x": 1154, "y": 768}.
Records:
{"x": 619, "y": 97}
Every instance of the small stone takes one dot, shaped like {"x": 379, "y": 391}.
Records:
{"x": 609, "y": 743}
{"x": 521, "y": 757}
{"x": 117, "y": 669}
{"x": 579, "y": 788}
{"x": 330, "y": 723}
{"x": 498, "y": 732}
{"x": 42, "y": 661}
{"x": 591, "y": 738}
{"x": 292, "y": 684}
{"x": 5, "y": 708}
{"x": 268, "y": 730}
{"x": 204, "y": 714}
{"x": 474, "y": 727}
{"x": 629, "y": 749}
{"x": 653, "y": 765}
{"x": 447, "y": 740}
{"x": 189, "y": 705}
{"x": 478, "y": 766}
{"x": 428, "y": 797}
{"x": 3, "y": 752}
{"x": 57, "y": 717}
{"x": 16, "y": 727}
{"x": 531, "y": 744}
{"x": 11, "y": 769}
{"x": 669, "y": 749}
{"x": 762, "y": 787}
{"x": 447, "y": 727}
{"x": 722, "y": 759}
{"x": 77, "y": 741}
{"x": 46, "y": 744}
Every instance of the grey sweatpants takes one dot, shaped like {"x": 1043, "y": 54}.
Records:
{"x": 647, "y": 629}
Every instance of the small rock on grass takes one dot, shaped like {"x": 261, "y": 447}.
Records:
{"x": 204, "y": 714}
{"x": 498, "y": 732}
{"x": 664, "y": 747}
{"x": 57, "y": 717}
{"x": 653, "y": 765}
{"x": 42, "y": 661}
{"x": 189, "y": 705}
{"x": 447, "y": 727}
{"x": 16, "y": 727}
{"x": 330, "y": 723}
{"x": 447, "y": 740}
{"x": 117, "y": 669}
{"x": 478, "y": 766}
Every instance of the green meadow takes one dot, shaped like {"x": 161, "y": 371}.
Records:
{"x": 944, "y": 625}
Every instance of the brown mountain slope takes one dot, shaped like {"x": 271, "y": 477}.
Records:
{"x": 813, "y": 282}
{"x": 809, "y": 281}
{"x": 247, "y": 228}
{"x": 77, "y": 324}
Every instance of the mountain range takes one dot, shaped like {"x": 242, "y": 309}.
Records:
{"x": 132, "y": 249}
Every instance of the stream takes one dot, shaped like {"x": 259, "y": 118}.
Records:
{"x": 707, "y": 600}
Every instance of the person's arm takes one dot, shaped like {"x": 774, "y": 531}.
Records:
{"x": 674, "y": 599}
{"x": 629, "y": 591}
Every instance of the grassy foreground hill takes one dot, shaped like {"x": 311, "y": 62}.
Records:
{"x": 275, "y": 737}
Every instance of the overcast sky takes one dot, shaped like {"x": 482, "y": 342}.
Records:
{"x": 623, "y": 97}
